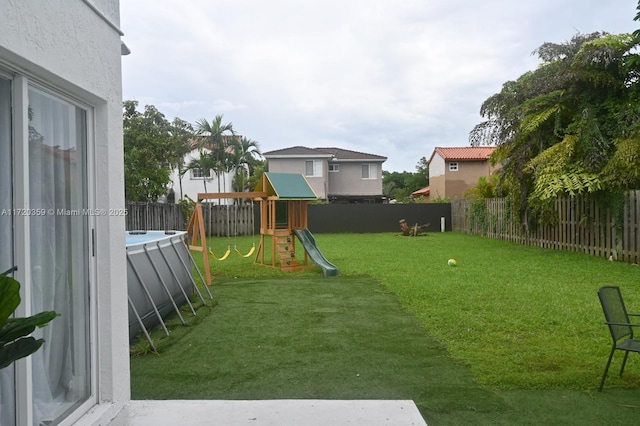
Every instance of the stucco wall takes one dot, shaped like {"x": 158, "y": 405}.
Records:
{"x": 445, "y": 183}
{"x": 436, "y": 166}
{"x": 466, "y": 177}
{"x": 348, "y": 181}
{"x": 319, "y": 184}
{"x": 437, "y": 187}
{"x": 68, "y": 47}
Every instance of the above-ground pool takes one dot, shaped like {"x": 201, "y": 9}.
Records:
{"x": 159, "y": 278}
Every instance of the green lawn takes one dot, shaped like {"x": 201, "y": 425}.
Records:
{"x": 512, "y": 335}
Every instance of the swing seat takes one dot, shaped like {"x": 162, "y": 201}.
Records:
{"x": 224, "y": 256}
{"x": 248, "y": 254}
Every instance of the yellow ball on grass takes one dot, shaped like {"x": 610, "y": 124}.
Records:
{"x": 452, "y": 262}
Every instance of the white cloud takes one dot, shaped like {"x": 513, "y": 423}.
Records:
{"x": 388, "y": 78}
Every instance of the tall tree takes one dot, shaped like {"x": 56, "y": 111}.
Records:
{"x": 559, "y": 126}
{"x": 204, "y": 164}
{"x": 182, "y": 134}
{"x": 257, "y": 170}
{"x": 148, "y": 152}
{"x": 246, "y": 154}
{"x": 422, "y": 168}
{"x": 216, "y": 137}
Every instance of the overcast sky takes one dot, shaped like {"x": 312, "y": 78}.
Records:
{"x": 392, "y": 78}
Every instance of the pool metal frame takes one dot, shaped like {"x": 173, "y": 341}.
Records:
{"x": 149, "y": 283}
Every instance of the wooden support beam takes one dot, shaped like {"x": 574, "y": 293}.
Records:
{"x": 195, "y": 230}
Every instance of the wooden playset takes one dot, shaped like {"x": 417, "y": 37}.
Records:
{"x": 283, "y": 199}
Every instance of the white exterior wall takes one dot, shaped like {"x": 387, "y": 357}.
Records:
{"x": 67, "y": 46}
{"x": 192, "y": 186}
{"x": 436, "y": 166}
{"x": 437, "y": 170}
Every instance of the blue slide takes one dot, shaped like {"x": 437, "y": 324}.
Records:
{"x": 309, "y": 242}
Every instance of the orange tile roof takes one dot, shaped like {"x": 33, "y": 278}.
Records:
{"x": 467, "y": 153}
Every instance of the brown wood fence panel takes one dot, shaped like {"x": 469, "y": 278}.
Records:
{"x": 219, "y": 220}
{"x": 155, "y": 216}
{"x": 581, "y": 225}
{"x": 229, "y": 220}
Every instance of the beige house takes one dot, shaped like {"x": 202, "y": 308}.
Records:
{"x": 336, "y": 175}
{"x": 453, "y": 171}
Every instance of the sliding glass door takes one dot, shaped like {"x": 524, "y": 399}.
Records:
{"x": 59, "y": 253}
{"x": 7, "y": 375}
{"x": 45, "y": 202}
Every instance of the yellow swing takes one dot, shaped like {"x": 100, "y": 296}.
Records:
{"x": 253, "y": 248}
{"x": 223, "y": 257}
{"x": 228, "y": 252}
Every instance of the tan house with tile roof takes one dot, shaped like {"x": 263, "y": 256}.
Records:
{"x": 335, "y": 174}
{"x": 455, "y": 170}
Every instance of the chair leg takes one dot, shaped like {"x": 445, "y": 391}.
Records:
{"x": 624, "y": 362}
{"x": 606, "y": 369}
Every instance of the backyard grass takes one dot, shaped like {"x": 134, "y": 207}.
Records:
{"x": 512, "y": 335}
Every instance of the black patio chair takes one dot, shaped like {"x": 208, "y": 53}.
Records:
{"x": 621, "y": 329}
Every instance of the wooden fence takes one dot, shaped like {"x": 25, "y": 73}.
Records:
{"x": 155, "y": 216}
{"x": 580, "y": 224}
{"x": 229, "y": 220}
{"x": 219, "y": 220}
{"x": 323, "y": 218}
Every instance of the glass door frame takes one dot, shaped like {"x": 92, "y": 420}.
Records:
{"x": 22, "y": 238}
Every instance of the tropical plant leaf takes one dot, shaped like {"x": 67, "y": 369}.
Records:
{"x": 9, "y": 297}
{"x": 21, "y": 348}
{"x": 533, "y": 122}
{"x": 14, "y": 340}
{"x": 19, "y": 327}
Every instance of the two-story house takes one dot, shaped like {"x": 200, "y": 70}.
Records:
{"x": 455, "y": 170}
{"x": 336, "y": 175}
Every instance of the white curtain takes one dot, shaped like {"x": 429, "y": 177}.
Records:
{"x": 7, "y": 381}
{"x": 59, "y": 254}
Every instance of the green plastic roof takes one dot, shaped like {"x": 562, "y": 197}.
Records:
{"x": 287, "y": 186}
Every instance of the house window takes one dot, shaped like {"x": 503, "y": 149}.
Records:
{"x": 453, "y": 166}
{"x": 369, "y": 171}
{"x": 334, "y": 167}
{"x": 51, "y": 251}
{"x": 313, "y": 168}
{"x": 199, "y": 174}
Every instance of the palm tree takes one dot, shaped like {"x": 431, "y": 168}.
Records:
{"x": 246, "y": 153}
{"x": 181, "y": 138}
{"x": 204, "y": 163}
{"x": 215, "y": 137}
{"x": 250, "y": 153}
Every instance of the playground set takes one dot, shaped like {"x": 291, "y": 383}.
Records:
{"x": 283, "y": 199}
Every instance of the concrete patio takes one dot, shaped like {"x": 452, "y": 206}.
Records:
{"x": 270, "y": 413}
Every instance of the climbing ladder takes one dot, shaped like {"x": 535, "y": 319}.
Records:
{"x": 286, "y": 250}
